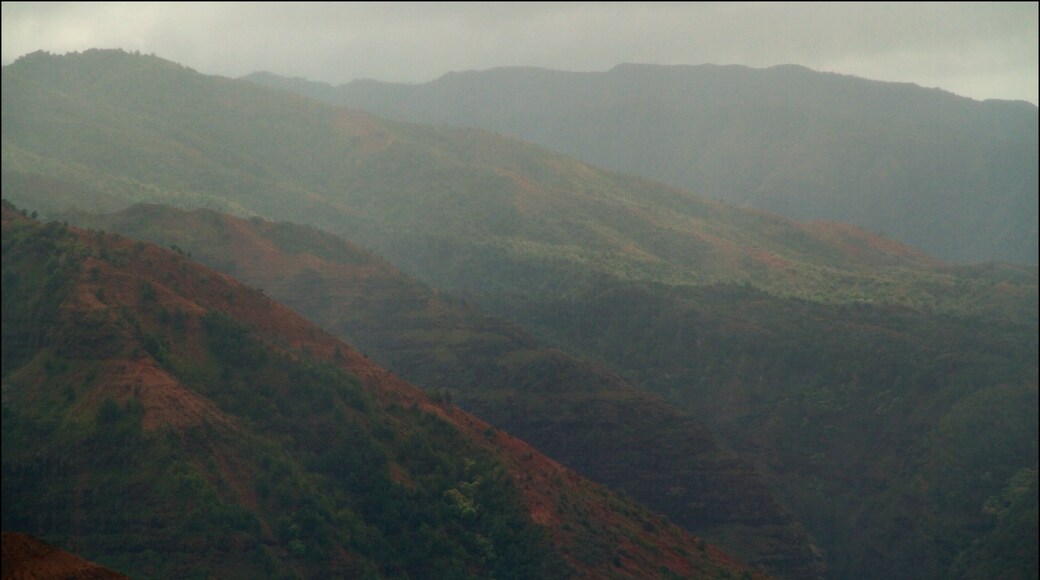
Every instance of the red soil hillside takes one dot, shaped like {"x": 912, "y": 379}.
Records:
{"x": 108, "y": 345}
{"x": 860, "y": 245}
{"x": 578, "y": 413}
{"x": 27, "y": 558}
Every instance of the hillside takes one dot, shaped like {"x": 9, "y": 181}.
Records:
{"x": 27, "y": 558}
{"x": 164, "y": 420}
{"x": 467, "y": 200}
{"x": 886, "y": 431}
{"x": 955, "y": 177}
{"x": 889, "y": 399}
{"x": 578, "y": 413}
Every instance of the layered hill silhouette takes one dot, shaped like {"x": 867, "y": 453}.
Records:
{"x": 888, "y": 398}
{"x": 953, "y": 176}
{"x": 482, "y": 209}
{"x": 580, "y": 414}
{"x": 165, "y": 420}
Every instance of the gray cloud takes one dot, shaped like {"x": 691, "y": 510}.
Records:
{"x": 978, "y": 50}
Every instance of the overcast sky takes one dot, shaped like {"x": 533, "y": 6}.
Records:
{"x": 977, "y": 50}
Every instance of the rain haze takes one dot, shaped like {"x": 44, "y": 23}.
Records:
{"x": 980, "y": 51}
{"x": 545, "y": 290}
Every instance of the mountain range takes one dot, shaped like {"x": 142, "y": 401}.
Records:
{"x": 952, "y": 176}
{"x": 886, "y": 399}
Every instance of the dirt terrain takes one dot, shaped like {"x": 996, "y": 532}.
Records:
{"x": 27, "y": 558}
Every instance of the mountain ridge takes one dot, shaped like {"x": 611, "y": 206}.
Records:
{"x": 695, "y": 232}
{"x": 734, "y": 133}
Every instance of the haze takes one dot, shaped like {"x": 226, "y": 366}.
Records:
{"x": 976, "y": 50}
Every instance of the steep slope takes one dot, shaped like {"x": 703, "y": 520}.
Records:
{"x": 887, "y": 397}
{"x": 27, "y": 558}
{"x": 950, "y": 175}
{"x": 167, "y": 421}
{"x": 580, "y": 414}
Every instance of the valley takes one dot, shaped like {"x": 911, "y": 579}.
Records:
{"x": 814, "y": 398}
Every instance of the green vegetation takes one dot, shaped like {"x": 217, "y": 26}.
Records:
{"x": 575, "y": 412}
{"x": 875, "y": 387}
{"x": 32, "y": 294}
{"x": 294, "y": 469}
{"x": 338, "y": 433}
{"x": 1009, "y": 549}
{"x": 486, "y": 210}
{"x": 858, "y": 414}
{"x": 951, "y": 175}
